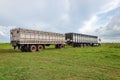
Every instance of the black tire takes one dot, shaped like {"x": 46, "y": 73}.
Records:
{"x": 33, "y": 48}
{"x": 40, "y": 47}
{"x": 62, "y": 46}
{"x": 56, "y": 46}
{"x": 22, "y": 49}
{"x": 74, "y": 45}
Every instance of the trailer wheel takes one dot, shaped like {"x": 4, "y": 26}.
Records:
{"x": 22, "y": 49}
{"x": 56, "y": 46}
{"x": 62, "y": 46}
{"x": 40, "y": 47}
{"x": 33, "y": 48}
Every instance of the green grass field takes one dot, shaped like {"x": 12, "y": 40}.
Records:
{"x": 90, "y": 63}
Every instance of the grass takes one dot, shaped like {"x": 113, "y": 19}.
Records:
{"x": 90, "y": 63}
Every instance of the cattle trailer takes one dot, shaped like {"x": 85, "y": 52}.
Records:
{"x": 34, "y": 40}
{"x": 81, "y": 40}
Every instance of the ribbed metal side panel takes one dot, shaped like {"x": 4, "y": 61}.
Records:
{"x": 81, "y": 38}
{"x": 27, "y": 36}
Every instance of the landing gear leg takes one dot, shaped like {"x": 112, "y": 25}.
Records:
{"x": 14, "y": 47}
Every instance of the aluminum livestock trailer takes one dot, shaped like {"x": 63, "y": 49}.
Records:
{"x": 81, "y": 40}
{"x": 34, "y": 40}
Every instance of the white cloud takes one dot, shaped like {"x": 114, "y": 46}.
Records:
{"x": 67, "y": 5}
{"x": 88, "y": 26}
{"x": 91, "y": 27}
{"x": 5, "y": 30}
{"x": 110, "y": 6}
{"x": 65, "y": 17}
{"x": 55, "y": 15}
{"x": 38, "y": 25}
{"x": 2, "y": 34}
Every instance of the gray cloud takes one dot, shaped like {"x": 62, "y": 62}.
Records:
{"x": 49, "y": 15}
{"x": 110, "y": 32}
{"x": 113, "y": 28}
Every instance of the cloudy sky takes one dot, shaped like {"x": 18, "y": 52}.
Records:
{"x": 95, "y": 17}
